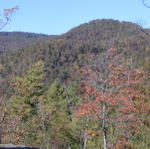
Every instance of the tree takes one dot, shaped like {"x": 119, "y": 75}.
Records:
{"x": 3, "y": 114}
{"x": 111, "y": 85}
{"x": 26, "y": 105}
{"x": 60, "y": 121}
{"x": 5, "y": 18}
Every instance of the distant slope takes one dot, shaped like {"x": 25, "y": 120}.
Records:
{"x": 65, "y": 54}
{"x": 16, "y": 40}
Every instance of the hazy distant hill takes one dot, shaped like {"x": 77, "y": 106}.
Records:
{"x": 15, "y": 40}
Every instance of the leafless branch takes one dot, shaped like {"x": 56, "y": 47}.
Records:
{"x": 5, "y": 17}
{"x": 146, "y": 3}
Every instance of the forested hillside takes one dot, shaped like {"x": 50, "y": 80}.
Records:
{"x": 16, "y": 40}
{"x": 86, "y": 89}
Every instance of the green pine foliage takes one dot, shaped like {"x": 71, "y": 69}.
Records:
{"x": 25, "y": 104}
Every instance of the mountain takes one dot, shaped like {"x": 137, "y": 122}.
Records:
{"x": 62, "y": 51}
{"x": 16, "y": 40}
{"x": 63, "y": 57}
{"x": 109, "y": 33}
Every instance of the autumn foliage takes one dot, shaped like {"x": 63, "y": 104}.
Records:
{"x": 74, "y": 91}
{"x": 115, "y": 83}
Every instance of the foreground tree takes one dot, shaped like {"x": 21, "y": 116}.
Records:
{"x": 59, "y": 120}
{"x": 3, "y": 115}
{"x": 111, "y": 87}
{"x": 25, "y": 104}
{"x": 5, "y": 18}
{"x": 39, "y": 116}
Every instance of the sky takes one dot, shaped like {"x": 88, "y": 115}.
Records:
{"x": 58, "y": 16}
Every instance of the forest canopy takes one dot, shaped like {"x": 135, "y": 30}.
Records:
{"x": 87, "y": 88}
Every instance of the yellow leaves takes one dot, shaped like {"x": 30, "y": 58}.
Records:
{"x": 93, "y": 133}
{"x": 1, "y": 67}
{"x": 43, "y": 99}
{"x": 39, "y": 64}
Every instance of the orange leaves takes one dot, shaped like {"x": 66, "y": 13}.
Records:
{"x": 110, "y": 99}
{"x": 93, "y": 133}
{"x": 131, "y": 92}
{"x": 112, "y": 80}
{"x": 111, "y": 88}
{"x": 87, "y": 108}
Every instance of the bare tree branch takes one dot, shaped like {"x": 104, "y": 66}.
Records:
{"x": 146, "y": 3}
{"x": 5, "y": 17}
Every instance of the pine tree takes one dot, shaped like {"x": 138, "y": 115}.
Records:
{"x": 58, "y": 118}
{"x": 25, "y": 104}
{"x": 57, "y": 121}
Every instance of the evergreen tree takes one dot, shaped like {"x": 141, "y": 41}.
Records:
{"x": 25, "y": 104}
{"x": 56, "y": 107}
{"x": 59, "y": 119}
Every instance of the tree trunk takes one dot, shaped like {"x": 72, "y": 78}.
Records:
{"x": 104, "y": 127}
{"x": 69, "y": 147}
{"x": 85, "y": 143}
{"x": 0, "y": 138}
{"x": 85, "y": 134}
{"x": 47, "y": 145}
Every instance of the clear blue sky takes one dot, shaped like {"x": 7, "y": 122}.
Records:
{"x": 59, "y": 16}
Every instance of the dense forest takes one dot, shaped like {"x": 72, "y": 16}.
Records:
{"x": 16, "y": 40}
{"x": 85, "y": 89}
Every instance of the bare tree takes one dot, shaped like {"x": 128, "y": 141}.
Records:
{"x": 5, "y": 17}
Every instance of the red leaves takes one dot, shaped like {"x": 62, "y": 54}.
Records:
{"x": 87, "y": 108}
{"x": 117, "y": 86}
{"x": 113, "y": 81}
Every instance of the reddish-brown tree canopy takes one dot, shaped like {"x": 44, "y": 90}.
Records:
{"x": 114, "y": 81}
